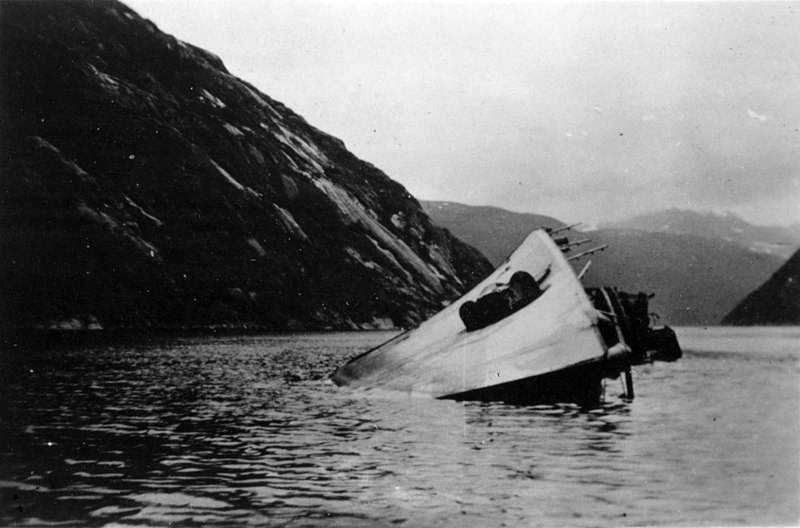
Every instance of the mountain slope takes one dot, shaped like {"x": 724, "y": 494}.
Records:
{"x": 495, "y": 231}
{"x": 775, "y": 240}
{"x": 697, "y": 280}
{"x": 776, "y": 302}
{"x": 143, "y": 185}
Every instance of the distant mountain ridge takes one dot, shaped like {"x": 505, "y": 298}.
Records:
{"x": 775, "y": 240}
{"x": 776, "y": 302}
{"x": 145, "y": 186}
{"x": 697, "y": 280}
{"x": 495, "y": 231}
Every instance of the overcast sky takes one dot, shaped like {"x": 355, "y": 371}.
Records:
{"x": 584, "y": 111}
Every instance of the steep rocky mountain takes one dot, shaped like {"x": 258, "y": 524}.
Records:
{"x": 776, "y": 302}
{"x": 144, "y": 185}
{"x": 495, "y": 231}
{"x": 696, "y": 280}
{"x": 775, "y": 240}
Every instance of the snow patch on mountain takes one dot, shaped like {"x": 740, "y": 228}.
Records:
{"x": 71, "y": 166}
{"x": 289, "y": 224}
{"x": 314, "y": 157}
{"x": 259, "y": 249}
{"x": 211, "y": 98}
{"x": 435, "y": 253}
{"x": 728, "y": 226}
{"x": 355, "y": 214}
{"x": 398, "y": 221}
{"x": 157, "y": 222}
{"x": 356, "y": 256}
{"x": 114, "y": 227}
{"x": 109, "y": 83}
{"x": 232, "y": 130}
{"x": 394, "y": 263}
{"x": 257, "y": 97}
{"x": 233, "y": 181}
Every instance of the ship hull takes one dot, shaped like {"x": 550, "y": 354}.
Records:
{"x": 549, "y": 350}
{"x": 580, "y": 384}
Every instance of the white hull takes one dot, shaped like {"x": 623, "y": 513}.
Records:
{"x": 556, "y": 332}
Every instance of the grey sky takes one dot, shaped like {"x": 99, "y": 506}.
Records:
{"x": 584, "y": 111}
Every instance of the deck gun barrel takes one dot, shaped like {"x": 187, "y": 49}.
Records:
{"x": 588, "y": 252}
{"x": 551, "y": 231}
{"x": 566, "y": 244}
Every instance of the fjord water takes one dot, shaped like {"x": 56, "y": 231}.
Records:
{"x": 247, "y": 430}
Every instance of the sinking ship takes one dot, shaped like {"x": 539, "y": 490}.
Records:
{"x": 529, "y": 333}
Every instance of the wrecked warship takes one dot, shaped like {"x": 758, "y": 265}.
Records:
{"x": 529, "y": 333}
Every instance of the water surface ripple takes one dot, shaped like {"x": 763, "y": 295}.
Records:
{"x": 247, "y": 430}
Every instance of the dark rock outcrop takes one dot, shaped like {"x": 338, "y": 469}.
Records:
{"x": 144, "y": 185}
{"x": 776, "y": 302}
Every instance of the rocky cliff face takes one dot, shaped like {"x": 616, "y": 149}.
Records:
{"x": 776, "y": 302}
{"x": 144, "y": 185}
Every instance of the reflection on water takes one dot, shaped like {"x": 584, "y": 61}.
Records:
{"x": 248, "y": 430}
